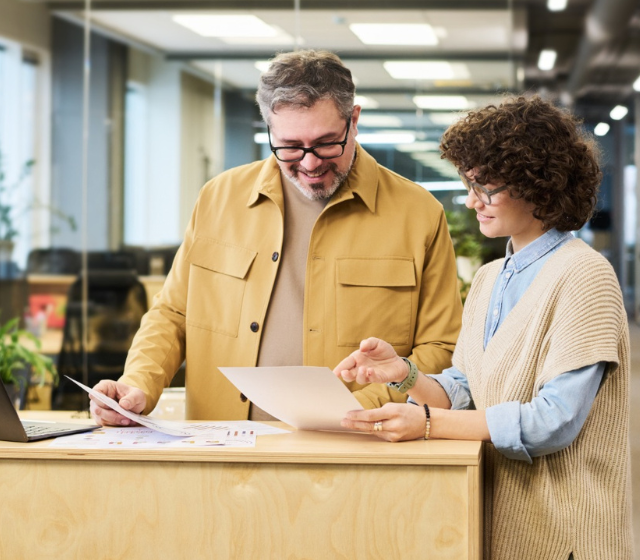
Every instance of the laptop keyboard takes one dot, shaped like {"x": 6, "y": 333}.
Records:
{"x": 39, "y": 429}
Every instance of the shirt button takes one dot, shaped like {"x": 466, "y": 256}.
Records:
{"x": 254, "y": 327}
{"x": 508, "y": 275}
{"x": 495, "y": 312}
{"x": 275, "y": 256}
{"x": 243, "y": 398}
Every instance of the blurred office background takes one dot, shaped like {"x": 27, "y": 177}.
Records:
{"x": 114, "y": 113}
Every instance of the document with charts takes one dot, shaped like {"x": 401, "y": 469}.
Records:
{"x": 184, "y": 429}
{"x": 147, "y": 438}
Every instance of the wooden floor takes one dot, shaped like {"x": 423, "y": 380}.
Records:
{"x": 634, "y": 331}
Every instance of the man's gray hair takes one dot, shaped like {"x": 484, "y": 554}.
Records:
{"x": 301, "y": 79}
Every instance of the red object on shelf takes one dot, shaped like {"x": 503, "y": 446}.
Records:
{"x": 53, "y": 305}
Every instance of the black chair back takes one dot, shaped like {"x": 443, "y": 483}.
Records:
{"x": 54, "y": 261}
{"x": 117, "y": 300}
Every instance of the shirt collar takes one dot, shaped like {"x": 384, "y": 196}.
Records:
{"x": 536, "y": 249}
{"x": 362, "y": 181}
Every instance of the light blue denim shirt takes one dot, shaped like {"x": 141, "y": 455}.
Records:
{"x": 553, "y": 419}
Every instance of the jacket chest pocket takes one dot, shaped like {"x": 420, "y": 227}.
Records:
{"x": 217, "y": 279}
{"x": 374, "y": 298}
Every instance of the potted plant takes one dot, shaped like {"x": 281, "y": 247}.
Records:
{"x": 9, "y": 213}
{"x": 15, "y": 357}
{"x": 467, "y": 245}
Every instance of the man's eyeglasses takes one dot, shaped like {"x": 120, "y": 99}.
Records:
{"x": 484, "y": 195}
{"x": 329, "y": 150}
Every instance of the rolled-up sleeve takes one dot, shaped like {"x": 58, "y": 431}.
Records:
{"x": 455, "y": 384}
{"x": 551, "y": 421}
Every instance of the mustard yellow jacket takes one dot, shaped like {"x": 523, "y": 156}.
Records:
{"x": 380, "y": 263}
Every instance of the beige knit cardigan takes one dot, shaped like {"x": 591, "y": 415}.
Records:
{"x": 576, "y": 500}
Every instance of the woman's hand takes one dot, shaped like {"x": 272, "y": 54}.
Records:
{"x": 397, "y": 422}
{"x": 375, "y": 362}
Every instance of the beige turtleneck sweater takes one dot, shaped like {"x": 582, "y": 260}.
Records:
{"x": 281, "y": 343}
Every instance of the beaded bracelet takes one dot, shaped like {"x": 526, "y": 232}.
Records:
{"x": 427, "y": 429}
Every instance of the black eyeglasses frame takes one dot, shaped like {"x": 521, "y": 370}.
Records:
{"x": 311, "y": 150}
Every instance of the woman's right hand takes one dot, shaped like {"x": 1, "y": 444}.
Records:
{"x": 375, "y": 362}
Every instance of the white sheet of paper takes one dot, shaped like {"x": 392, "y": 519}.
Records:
{"x": 183, "y": 429}
{"x": 308, "y": 398}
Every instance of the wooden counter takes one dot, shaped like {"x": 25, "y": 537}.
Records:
{"x": 311, "y": 495}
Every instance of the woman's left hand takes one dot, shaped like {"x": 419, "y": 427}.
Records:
{"x": 396, "y": 422}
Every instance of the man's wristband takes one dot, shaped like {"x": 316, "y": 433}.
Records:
{"x": 409, "y": 381}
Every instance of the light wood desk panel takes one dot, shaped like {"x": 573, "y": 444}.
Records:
{"x": 308, "y": 495}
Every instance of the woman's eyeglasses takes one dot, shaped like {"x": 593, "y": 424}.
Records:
{"x": 484, "y": 195}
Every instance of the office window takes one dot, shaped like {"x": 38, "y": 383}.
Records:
{"x": 19, "y": 115}
{"x": 136, "y": 218}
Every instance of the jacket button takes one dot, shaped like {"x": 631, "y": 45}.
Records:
{"x": 243, "y": 398}
{"x": 255, "y": 327}
{"x": 275, "y": 256}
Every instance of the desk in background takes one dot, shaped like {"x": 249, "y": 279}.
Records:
{"x": 58, "y": 284}
{"x": 312, "y": 495}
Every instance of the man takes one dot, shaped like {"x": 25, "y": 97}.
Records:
{"x": 295, "y": 259}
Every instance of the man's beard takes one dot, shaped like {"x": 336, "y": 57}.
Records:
{"x": 323, "y": 190}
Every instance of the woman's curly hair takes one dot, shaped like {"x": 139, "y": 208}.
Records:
{"x": 539, "y": 150}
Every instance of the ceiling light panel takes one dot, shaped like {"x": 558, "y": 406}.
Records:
{"x": 556, "y": 5}
{"x": 618, "y": 112}
{"x": 442, "y": 102}
{"x": 395, "y": 33}
{"x": 366, "y": 102}
{"x": 262, "y": 65}
{"x": 426, "y": 70}
{"x": 601, "y": 129}
{"x": 226, "y": 26}
{"x": 547, "y": 59}
{"x": 387, "y": 138}
{"x": 379, "y": 121}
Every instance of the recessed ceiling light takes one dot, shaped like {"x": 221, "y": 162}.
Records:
{"x": 442, "y": 102}
{"x": 547, "y": 59}
{"x": 601, "y": 129}
{"x": 444, "y": 119}
{"x": 444, "y": 186}
{"x": 556, "y": 5}
{"x": 262, "y": 65}
{"x": 419, "y": 147}
{"x": 426, "y": 70}
{"x": 394, "y": 33}
{"x": 378, "y": 121}
{"x": 226, "y": 26}
{"x": 387, "y": 138}
{"x": 366, "y": 102}
{"x": 636, "y": 84}
{"x": 618, "y": 112}
{"x": 280, "y": 38}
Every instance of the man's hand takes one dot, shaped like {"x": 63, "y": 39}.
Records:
{"x": 396, "y": 422}
{"x": 129, "y": 398}
{"x": 375, "y": 362}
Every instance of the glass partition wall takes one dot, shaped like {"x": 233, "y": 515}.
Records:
{"x": 146, "y": 105}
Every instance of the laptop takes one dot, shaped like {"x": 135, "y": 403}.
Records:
{"x": 14, "y": 429}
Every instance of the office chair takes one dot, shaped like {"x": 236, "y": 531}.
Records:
{"x": 117, "y": 300}
{"x": 54, "y": 261}
{"x": 112, "y": 260}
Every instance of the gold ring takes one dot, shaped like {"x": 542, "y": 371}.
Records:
{"x": 377, "y": 426}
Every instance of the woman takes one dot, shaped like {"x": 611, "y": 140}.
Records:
{"x": 540, "y": 371}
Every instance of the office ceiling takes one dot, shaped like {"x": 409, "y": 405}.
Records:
{"x": 492, "y": 45}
